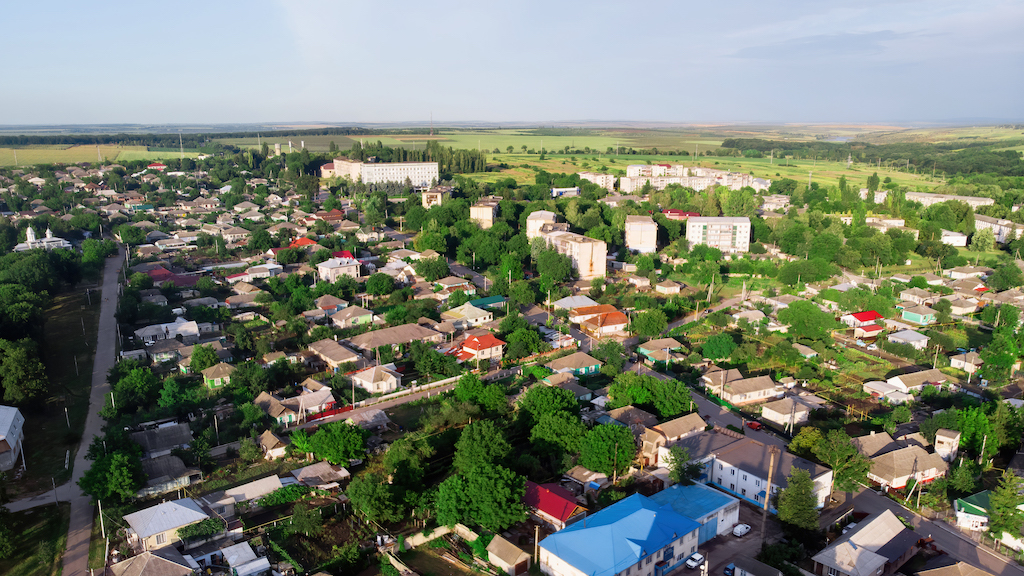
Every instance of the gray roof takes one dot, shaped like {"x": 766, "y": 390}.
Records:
{"x": 165, "y": 468}
{"x": 571, "y": 302}
{"x": 164, "y": 438}
{"x": 574, "y": 361}
{"x": 869, "y": 546}
{"x": 391, "y": 336}
{"x": 748, "y": 385}
{"x": 873, "y": 444}
{"x": 753, "y": 457}
{"x": 904, "y": 462}
{"x": 165, "y": 516}
{"x": 320, "y": 473}
{"x": 751, "y": 566}
{"x": 166, "y": 561}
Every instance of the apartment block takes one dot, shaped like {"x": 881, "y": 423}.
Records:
{"x": 606, "y": 181}
{"x": 589, "y": 256}
{"x": 485, "y": 211}
{"x": 421, "y": 174}
{"x": 641, "y": 234}
{"x": 728, "y": 234}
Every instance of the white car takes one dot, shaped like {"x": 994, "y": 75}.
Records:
{"x": 741, "y": 530}
{"x": 694, "y": 561}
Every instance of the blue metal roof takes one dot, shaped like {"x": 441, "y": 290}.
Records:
{"x": 618, "y": 536}
{"x": 695, "y": 501}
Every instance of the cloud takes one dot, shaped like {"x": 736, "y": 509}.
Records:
{"x": 839, "y": 45}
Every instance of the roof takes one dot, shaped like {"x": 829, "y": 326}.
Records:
{"x": 165, "y": 516}
{"x": 609, "y": 319}
{"x": 695, "y": 501}
{"x": 248, "y": 491}
{"x": 786, "y": 406}
{"x": 7, "y": 416}
{"x": 377, "y": 373}
{"x": 946, "y": 566}
{"x": 630, "y": 415}
{"x": 507, "y": 552}
{"x": 391, "y": 336}
{"x": 618, "y": 536}
{"x": 916, "y": 379}
{"x": 163, "y": 438}
{"x": 869, "y": 546}
{"x": 550, "y": 499}
{"x": 320, "y": 473}
{"x": 867, "y": 316}
{"x": 976, "y": 504}
{"x": 372, "y": 418}
{"x": 268, "y": 441}
{"x": 351, "y": 312}
{"x": 272, "y": 405}
{"x": 681, "y": 426}
{"x": 748, "y": 385}
{"x": 752, "y": 456}
{"x": 908, "y": 336}
{"x": 574, "y": 361}
{"x": 482, "y": 342}
{"x": 598, "y": 309}
{"x": 332, "y": 351}
{"x": 465, "y": 311}
{"x": 166, "y": 561}
{"x": 573, "y": 302}
{"x": 751, "y": 566}
{"x": 220, "y": 370}
{"x": 873, "y": 444}
{"x": 165, "y": 468}
{"x": 904, "y": 462}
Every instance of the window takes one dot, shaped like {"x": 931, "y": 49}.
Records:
{"x": 744, "y": 477}
{"x": 649, "y": 559}
{"x": 732, "y": 487}
{"x": 732, "y": 471}
{"x": 833, "y": 571}
{"x": 744, "y": 491}
{"x": 719, "y": 466}
{"x": 160, "y": 538}
{"x": 757, "y": 483}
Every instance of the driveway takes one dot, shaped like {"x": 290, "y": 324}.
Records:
{"x": 464, "y": 272}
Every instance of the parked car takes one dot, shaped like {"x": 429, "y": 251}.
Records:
{"x": 754, "y": 425}
{"x": 872, "y": 347}
{"x": 741, "y": 530}
{"x": 695, "y": 560}
{"x": 729, "y": 570}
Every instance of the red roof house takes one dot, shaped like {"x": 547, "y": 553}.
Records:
{"x": 302, "y": 243}
{"x": 677, "y": 214}
{"x": 342, "y": 254}
{"x": 860, "y": 318}
{"x": 551, "y": 504}
{"x": 157, "y": 166}
{"x": 867, "y": 331}
{"x": 482, "y": 347}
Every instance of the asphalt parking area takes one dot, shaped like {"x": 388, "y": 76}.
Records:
{"x": 723, "y": 549}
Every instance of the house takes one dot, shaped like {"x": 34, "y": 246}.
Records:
{"x": 952, "y": 238}
{"x": 910, "y": 338}
{"x": 12, "y": 430}
{"x": 946, "y": 566}
{"x": 947, "y": 444}
{"x": 786, "y": 412}
{"x": 860, "y": 318}
{"x": 604, "y": 325}
{"x": 868, "y": 331}
{"x": 659, "y": 347}
{"x": 631, "y": 417}
{"x": 507, "y": 557}
{"x": 896, "y": 468}
{"x": 667, "y": 287}
{"x": 749, "y": 390}
{"x": 467, "y": 316}
{"x": 918, "y": 296}
{"x": 481, "y": 347}
{"x": 635, "y": 532}
{"x": 552, "y": 505}
{"x": 919, "y": 315}
{"x": 157, "y": 526}
{"x": 667, "y": 434}
{"x": 218, "y": 375}
{"x": 580, "y": 314}
{"x": 782, "y": 301}
{"x": 351, "y": 317}
{"x": 379, "y": 379}
{"x": 639, "y": 282}
{"x": 715, "y": 511}
{"x": 573, "y": 302}
{"x": 331, "y": 270}
{"x": 394, "y": 336}
{"x": 334, "y": 354}
{"x": 272, "y": 446}
{"x": 489, "y": 302}
{"x": 187, "y": 330}
{"x": 969, "y": 362}
{"x": 963, "y": 306}
{"x": 452, "y": 283}
{"x": 741, "y": 468}
{"x": 330, "y": 304}
{"x": 166, "y": 474}
{"x": 163, "y": 439}
{"x": 165, "y": 561}
{"x": 322, "y": 475}
{"x": 884, "y": 390}
{"x": 805, "y": 351}
{"x": 874, "y": 444}
{"x": 715, "y": 378}
{"x": 313, "y": 398}
{"x": 641, "y": 234}
{"x": 746, "y": 566}
{"x": 567, "y": 381}
{"x": 751, "y": 316}
{"x": 876, "y": 547}
{"x": 915, "y": 381}
{"x": 577, "y": 364}
{"x": 370, "y": 419}
{"x": 223, "y": 502}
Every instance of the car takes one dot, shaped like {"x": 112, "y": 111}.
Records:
{"x": 754, "y": 425}
{"x": 729, "y": 570}
{"x": 872, "y": 347}
{"x": 741, "y": 530}
{"x": 695, "y": 560}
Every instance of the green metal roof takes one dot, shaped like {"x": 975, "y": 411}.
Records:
{"x": 976, "y": 504}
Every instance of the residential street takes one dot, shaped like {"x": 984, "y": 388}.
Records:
{"x": 76, "y": 556}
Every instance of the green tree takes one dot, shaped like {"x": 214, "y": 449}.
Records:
{"x": 22, "y": 373}
{"x": 7, "y": 536}
{"x": 612, "y": 354}
{"x": 457, "y": 298}
{"x": 806, "y": 320}
{"x": 983, "y": 240}
{"x": 1003, "y": 513}
{"x": 680, "y": 468}
{"x": 339, "y": 442}
{"x": 806, "y": 441}
{"x": 541, "y": 399}
{"x": 849, "y": 467}
{"x": 558, "y": 433}
{"x": 718, "y": 346}
{"x": 468, "y": 388}
{"x": 260, "y": 241}
{"x": 300, "y": 442}
{"x": 305, "y": 520}
{"x": 1005, "y": 277}
{"x": 203, "y": 357}
{"x": 608, "y": 448}
{"x": 481, "y": 444}
{"x": 373, "y": 496}
{"x": 649, "y": 323}
{"x": 873, "y": 182}
{"x": 380, "y": 284}
{"x": 249, "y": 450}
{"x": 432, "y": 269}
{"x": 964, "y": 477}
{"x": 797, "y": 504}
{"x": 488, "y": 496}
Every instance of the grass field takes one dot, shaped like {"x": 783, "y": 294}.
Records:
{"x": 40, "y": 537}
{"x": 49, "y": 441}
{"x": 75, "y": 154}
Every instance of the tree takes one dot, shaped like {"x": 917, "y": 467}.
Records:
{"x": 380, "y": 284}
{"x": 612, "y": 354}
{"x": 680, "y": 468}
{"x": 432, "y": 268}
{"x": 983, "y": 240}
{"x": 797, "y": 503}
{"x": 806, "y": 320}
{"x": 480, "y": 445}
{"x": 608, "y": 448}
{"x": 203, "y": 357}
{"x": 249, "y": 450}
{"x": 540, "y": 400}
{"x": 806, "y": 441}
{"x": 22, "y": 374}
{"x": 558, "y": 433}
{"x": 339, "y": 442}
{"x": 1005, "y": 277}
{"x": 849, "y": 467}
{"x": 305, "y": 520}
{"x": 7, "y": 535}
{"x": 649, "y": 323}
{"x": 488, "y": 496}
{"x": 373, "y": 496}
{"x": 719, "y": 346}
{"x": 964, "y": 477}
{"x": 1003, "y": 514}
{"x": 116, "y": 476}
{"x": 468, "y": 388}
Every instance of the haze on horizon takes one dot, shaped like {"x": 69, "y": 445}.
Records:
{"x": 276, "y": 61}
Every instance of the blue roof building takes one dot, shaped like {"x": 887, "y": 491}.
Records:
{"x": 633, "y": 537}
{"x": 715, "y": 511}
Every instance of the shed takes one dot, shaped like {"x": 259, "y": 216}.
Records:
{"x": 507, "y": 556}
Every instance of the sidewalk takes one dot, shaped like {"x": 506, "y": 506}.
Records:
{"x": 76, "y": 555}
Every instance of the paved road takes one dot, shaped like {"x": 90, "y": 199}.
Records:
{"x": 76, "y": 556}
{"x": 463, "y": 271}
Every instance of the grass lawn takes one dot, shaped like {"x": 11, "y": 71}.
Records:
{"x": 48, "y": 439}
{"x": 40, "y": 537}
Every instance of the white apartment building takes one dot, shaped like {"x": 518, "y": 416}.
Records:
{"x": 421, "y": 174}
{"x": 728, "y": 234}
{"x": 485, "y": 211}
{"x": 927, "y": 199}
{"x": 661, "y": 175}
{"x": 589, "y": 256}
{"x": 641, "y": 234}
{"x": 606, "y": 181}
{"x": 1000, "y": 227}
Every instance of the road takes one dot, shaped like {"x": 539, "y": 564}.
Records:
{"x": 76, "y": 556}
{"x": 720, "y": 306}
{"x": 946, "y": 537}
{"x": 464, "y": 272}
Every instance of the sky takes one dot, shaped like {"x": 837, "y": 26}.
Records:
{"x": 338, "y": 61}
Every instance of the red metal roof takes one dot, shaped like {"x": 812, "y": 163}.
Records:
{"x": 871, "y": 328}
{"x": 482, "y": 342}
{"x": 867, "y": 316}
{"x": 300, "y": 242}
{"x": 550, "y": 499}
{"x": 342, "y": 254}
{"x": 239, "y": 275}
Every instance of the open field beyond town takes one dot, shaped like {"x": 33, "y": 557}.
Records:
{"x": 48, "y": 154}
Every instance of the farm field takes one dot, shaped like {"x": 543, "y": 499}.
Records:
{"x": 29, "y": 155}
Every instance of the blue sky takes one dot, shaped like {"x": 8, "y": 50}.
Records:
{"x": 673, "y": 61}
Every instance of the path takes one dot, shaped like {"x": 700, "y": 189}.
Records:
{"x": 76, "y": 556}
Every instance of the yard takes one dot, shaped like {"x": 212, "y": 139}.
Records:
{"x": 40, "y": 537}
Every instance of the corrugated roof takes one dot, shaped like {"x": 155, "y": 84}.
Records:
{"x": 165, "y": 516}
{"x": 550, "y": 499}
{"x": 695, "y": 501}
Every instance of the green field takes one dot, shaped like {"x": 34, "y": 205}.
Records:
{"x": 60, "y": 154}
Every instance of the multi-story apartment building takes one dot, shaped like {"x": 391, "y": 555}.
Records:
{"x": 1001, "y": 228}
{"x": 641, "y": 233}
{"x": 421, "y": 174}
{"x": 728, "y": 234}
{"x": 435, "y": 196}
{"x": 927, "y": 199}
{"x": 589, "y": 256}
{"x": 485, "y": 211}
{"x": 606, "y": 181}
{"x": 661, "y": 175}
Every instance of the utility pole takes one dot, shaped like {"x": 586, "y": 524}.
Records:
{"x": 615, "y": 465}
{"x": 773, "y": 450}
{"x": 536, "y": 542}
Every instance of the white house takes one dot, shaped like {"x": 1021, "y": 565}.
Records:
{"x": 786, "y": 412}
{"x": 378, "y": 379}
{"x": 915, "y": 339}
{"x": 12, "y": 425}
